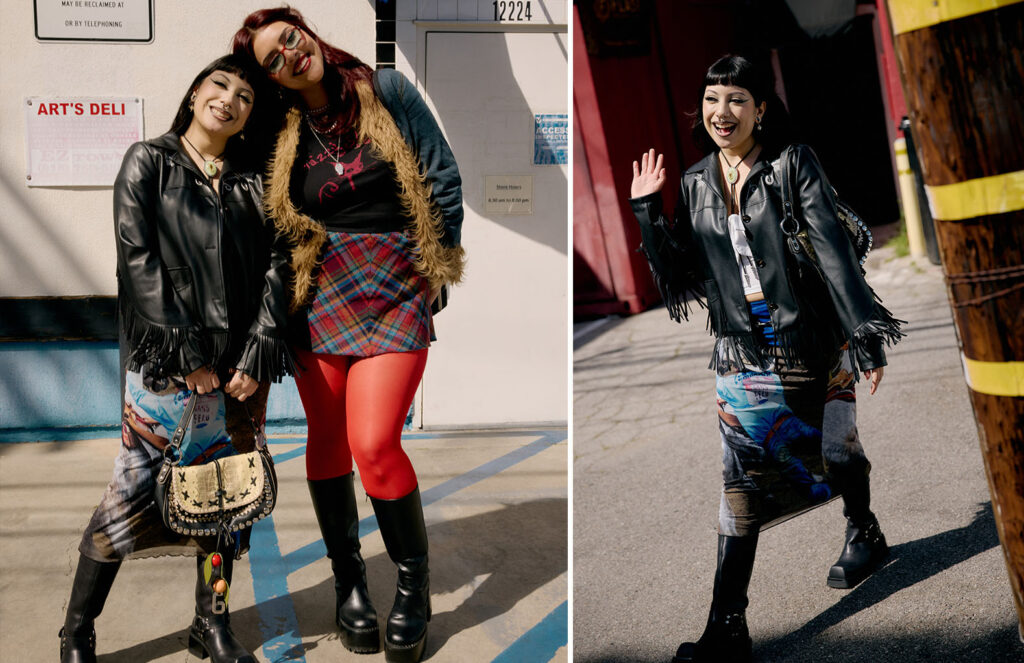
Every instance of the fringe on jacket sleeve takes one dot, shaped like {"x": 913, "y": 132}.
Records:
{"x": 672, "y": 274}
{"x": 266, "y": 359}
{"x": 161, "y": 349}
{"x": 869, "y": 338}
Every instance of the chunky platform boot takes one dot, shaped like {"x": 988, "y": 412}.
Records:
{"x": 334, "y": 502}
{"x": 865, "y": 548}
{"x": 405, "y": 537}
{"x": 88, "y": 594}
{"x": 726, "y": 638}
{"x": 210, "y": 635}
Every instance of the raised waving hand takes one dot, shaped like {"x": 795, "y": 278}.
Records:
{"x": 648, "y": 175}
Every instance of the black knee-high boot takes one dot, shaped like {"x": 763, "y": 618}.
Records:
{"x": 210, "y": 635}
{"x": 88, "y": 594}
{"x": 405, "y": 537}
{"x": 865, "y": 548}
{"x": 726, "y": 638}
{"x": 334, "y": 502}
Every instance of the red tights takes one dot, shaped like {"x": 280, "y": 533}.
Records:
{"x": 355, "y": 408}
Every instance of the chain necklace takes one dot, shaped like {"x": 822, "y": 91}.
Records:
{"x": 339, "y": 167}
{"x": 210, "y": 166}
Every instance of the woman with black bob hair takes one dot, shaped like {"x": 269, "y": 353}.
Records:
{"x": 202, "y": 314}
{"x": 791, "y": 334}
{"x": 365, "y": 189}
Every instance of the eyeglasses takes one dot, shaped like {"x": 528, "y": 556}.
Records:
{"x": 291, "y": 41}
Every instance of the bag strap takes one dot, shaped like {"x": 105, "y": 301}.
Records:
{"x": 789, "y": 217}
{"x": 183, "y": 423}
{"x": 258, "y": 433}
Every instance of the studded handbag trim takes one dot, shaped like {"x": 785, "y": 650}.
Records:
{"x": 228, "y": 493}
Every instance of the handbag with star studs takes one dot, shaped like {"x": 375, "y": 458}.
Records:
{"x": 220, "y": 496}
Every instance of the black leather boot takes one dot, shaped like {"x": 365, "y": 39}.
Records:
{"x": 88, "y": 594}
{"x": 865, "y": 547}
{"x": 405, "y": 537}
{"x": 726, "y": 638}
{"x": 210, "y": 635}
{"x": 334, "y": 502}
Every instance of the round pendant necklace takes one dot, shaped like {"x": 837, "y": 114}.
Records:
{"x": 339, "y": 167}
{"x": 210, "y": 166}
{"x": 732, "y": 173}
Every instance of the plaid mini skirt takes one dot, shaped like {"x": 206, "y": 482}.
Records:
{"x": 370, "y": 299}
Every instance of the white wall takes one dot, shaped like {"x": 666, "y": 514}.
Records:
{"x": 502, "y": 351}
{"x": 59, "y": 240}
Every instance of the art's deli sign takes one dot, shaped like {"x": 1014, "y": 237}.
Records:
{"x": 78, "y": 141}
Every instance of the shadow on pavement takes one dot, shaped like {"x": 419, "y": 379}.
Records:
{"x": 516, "y": 549}
{"x": 909, "y": 563}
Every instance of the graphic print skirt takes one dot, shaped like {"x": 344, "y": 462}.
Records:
{"x": 126, "y": 523}
{"x": 789, "y": 438}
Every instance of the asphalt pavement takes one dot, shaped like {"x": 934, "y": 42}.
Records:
{"x": 647, "y": 479}
{"x": 496, "y": 510}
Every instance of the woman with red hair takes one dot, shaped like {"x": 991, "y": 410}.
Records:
{"x": 365, "y": 188}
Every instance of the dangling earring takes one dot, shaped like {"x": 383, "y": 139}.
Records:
{"x": 757, "y": 122}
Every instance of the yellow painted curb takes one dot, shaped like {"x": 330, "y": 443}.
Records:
{"x": 910, "y": 15}
{"x": 997, "y": 378}
{"x": 983, "y": 196}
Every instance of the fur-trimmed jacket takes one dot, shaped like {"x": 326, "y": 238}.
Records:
{"x": 394, "y": 117}
{"x": 812, "y": 315}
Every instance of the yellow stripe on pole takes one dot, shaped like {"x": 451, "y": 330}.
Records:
{"x": 997, "y": 378}
{"x": 910, "y": 15}
{"x": 983, "y": 196}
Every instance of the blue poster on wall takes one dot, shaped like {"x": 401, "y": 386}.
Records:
{"x": 551, "y": 138}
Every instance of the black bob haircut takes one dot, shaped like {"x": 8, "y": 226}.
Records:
{"x": 259, "y": 129}
{"x": 758, "y": 79}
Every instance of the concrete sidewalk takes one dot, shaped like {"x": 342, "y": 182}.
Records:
{"x": 647, "y": 479}
{"x": 496, "y": 510}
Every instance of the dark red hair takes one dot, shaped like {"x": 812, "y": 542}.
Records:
{"x": 342, "y": 70}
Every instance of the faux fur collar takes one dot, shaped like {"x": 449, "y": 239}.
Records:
{"x": 438, "y": 264}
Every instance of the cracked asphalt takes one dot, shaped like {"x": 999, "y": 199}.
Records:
{"x": 646, "y": 483}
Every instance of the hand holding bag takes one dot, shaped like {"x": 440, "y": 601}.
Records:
{"x": 217, "y": 497}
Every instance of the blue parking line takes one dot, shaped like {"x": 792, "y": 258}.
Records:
{"x": 279, "y": 625}
{"x": 542, "y": 641}
{"x": 288, "y": 455}
{"x": 311, "y": 552}
{"x": 270, "y": 569}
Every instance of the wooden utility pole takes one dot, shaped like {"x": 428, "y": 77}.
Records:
{"x": 962, "y": 63}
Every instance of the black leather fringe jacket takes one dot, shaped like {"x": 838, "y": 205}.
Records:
{"x": 199, "y": 276}
{"x": 813, "y": 314}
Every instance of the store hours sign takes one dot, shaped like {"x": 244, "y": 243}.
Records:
{"x": 94, "y": 20}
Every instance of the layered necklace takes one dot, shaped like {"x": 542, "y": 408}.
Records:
{"x": 315, "y": 116}
{"x": 210, "y": 166}
{"x": 339, "y": 167}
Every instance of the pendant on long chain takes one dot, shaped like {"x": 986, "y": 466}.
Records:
{"x": 339, "y": 167}
{"x": 210, "y": 167}
{"x": 731, "y": 175}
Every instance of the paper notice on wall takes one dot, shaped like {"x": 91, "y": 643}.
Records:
{"x": 94, "y": 20}
{"x": 508, "y": 194}
{"x": 551, "y": 138}
{"x": 78, "y": 141}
